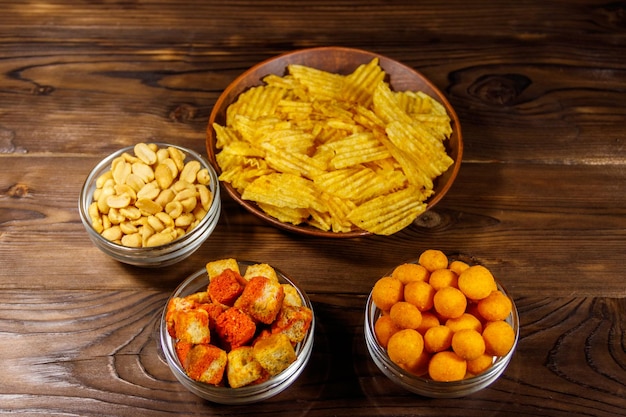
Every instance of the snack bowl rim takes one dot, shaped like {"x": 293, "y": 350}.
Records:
{"x": 246, "y": 394}
{"x": 401, "y": 75}
{"x": 423, "y": 385}
{"x": 156, "y": 256}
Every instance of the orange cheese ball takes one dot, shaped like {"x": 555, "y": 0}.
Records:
{"x": 405, "y": 315}
{"x": 420, "y": 294}
{"x": 438, "y": 338}
{"x": 449, "y": 302}
{"x": 443, "y": 278}
{"x": 386, "y": 292}
{"x": 409, "y": 272}
{"x": 476, "y": 282}
{"x": 468, "y": 344}
{"x": 496, "y": 306}
{"x": 428, "y": 320}
{"x": 433, "y": 259}
{"x": 480, "y": 364}
{"x": 447, "y": 366}
{"x": 465, "y": 321}
{"x": 420, "y": 367}
{"x": 499, "y": 338}
{"x": 458, "y": 266}
{"x": 405, "y": 348}
{"x": 384, "y": 328}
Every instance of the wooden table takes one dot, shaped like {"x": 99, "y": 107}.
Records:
{"x": 539, "y": 88}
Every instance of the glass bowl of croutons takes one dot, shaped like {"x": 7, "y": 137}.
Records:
{"x": 237, "y": 332}
{"x": 441, "y": 327}
{"x": 150, "y": 204}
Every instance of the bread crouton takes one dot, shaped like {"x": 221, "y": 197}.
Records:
{"x": 174, "y": 305}
{"x": 260, "y": 270}
{"x": 214, "y": 268}
{"x": 206, "y": 363}
{"x": 295, "y": 322}
{"x": 192, "y": 326}
{"x": 234, "y": 328}
{"x": 292, "y": 297}
{"x": 262, "y": 299}
{"x": 275, "y": 353}
{"x": 242, "y": 369}
{"x": 226, "y": 287}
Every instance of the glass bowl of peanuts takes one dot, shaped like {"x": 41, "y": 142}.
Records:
{"x": 441, "y": 327}
{"x": 252, "y": 346}
{"x": 151, "y": 204}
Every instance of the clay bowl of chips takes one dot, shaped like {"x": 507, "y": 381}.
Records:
{"x": 225, "y": 342}
{"x": 150, "y": 204}
{"x": 334, "y": 142}
{"x": 456, "y": 345}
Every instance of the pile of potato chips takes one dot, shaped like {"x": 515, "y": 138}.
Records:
{"x": 337, "y": 152}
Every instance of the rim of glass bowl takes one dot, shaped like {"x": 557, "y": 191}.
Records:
{"x": 156, "y": 255}
{"x": 428, "y": 387}
{"x": 247, "y": 394}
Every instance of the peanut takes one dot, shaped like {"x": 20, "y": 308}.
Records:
{"x": 150, "y": 198}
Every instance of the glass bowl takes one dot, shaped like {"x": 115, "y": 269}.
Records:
{"x": 198, "y": 281}
{"x": 155, "y": 256}
{"x": 339, "y": 60}
{"x": 423, "y": 385}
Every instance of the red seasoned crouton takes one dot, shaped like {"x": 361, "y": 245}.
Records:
{"x": 294, "y": 322}
{"x": 206, "y": 363}
{"x": 275, "y": 353}
{"x": 182, "y": 350}
{"x": 262, "y": 299}
{"x": 226, "y": 287}
{"x": 234, "y": 328}
{"x": 214, "y": 310}
{"x": 192, "y": 326}
{"x": 243, "y": 369}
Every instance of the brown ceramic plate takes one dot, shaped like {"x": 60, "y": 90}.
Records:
{"x": 343, "y": 61}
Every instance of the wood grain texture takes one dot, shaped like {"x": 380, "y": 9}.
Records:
{"x": 540, "y": 197}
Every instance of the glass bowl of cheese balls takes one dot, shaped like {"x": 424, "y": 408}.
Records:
{"x": 441, "y": 327}
{"x": 150, "y": 204}
{"x": 237, "y": 332}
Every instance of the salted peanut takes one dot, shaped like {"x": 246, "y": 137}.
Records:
{"x": 161, "y": 238}
{"x": 149, "y": 191}
{"x": 135, "y": 182}
{"x": 205, "y": 195}
{"x": 156, "y": 224}
{"x": 132, "y": 240}
{"x": 186, "y": 194}
{"x": 190, "y": 171}
{"x": 118, "y": 201}
{"x": 203, "y": 177}
{"x": 184, "y": 220}
{"x": 164, "y": 197}
{"x": 163, "y": 176}
{"x": 112, "y": 233}
{"x": 162, "y": 153}
{"x": 97, "y": 225}
{"x": 106, "y": 222}
{"x": 128, "y": 228}
{"x": 177, "y": 156}
{"x": 129, "y": 158}
{"x": 122, "y": 170}
{"x": 94, "y": 213}
{"x": 199, "y": 212}
{"x": 103, "y": 178}
{"x": 125, "y": 189}
{"x": 143, "y": 171}
{"x": 115, "y": 217}
{"x": 174, "y": 209}
{"x": 165, "y": 218}
{"x": 131, "y": 213}
{"x": 189, "y": 204}
{"x": 180, "y": 185}
{"x": 145, "y": 153}
{"x": 148, "y": 206}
